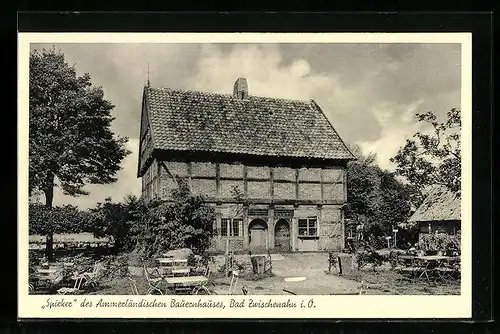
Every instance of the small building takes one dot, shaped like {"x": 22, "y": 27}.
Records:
{"x": 439, "y": 213}
{"x": 282, "y": 156}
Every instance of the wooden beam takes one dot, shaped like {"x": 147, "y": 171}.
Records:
{"x": 322, "y": 184}
{"x": 344, "y": 186}
{"x": 245, "y": 181}
{"x": 268, "y": 201}
{"x": 217, "y": 179}
{"x": 297, "y": 184}
{"x": 271, "y": 182}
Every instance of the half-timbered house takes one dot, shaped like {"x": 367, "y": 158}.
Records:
{"x": 273, "y": 168}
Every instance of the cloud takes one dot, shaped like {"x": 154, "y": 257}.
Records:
{"x": 265, "y": 70}
{"x": 300, "y": 68}
{"x": 397, "y": 123}
{"x": 369, "y": 92}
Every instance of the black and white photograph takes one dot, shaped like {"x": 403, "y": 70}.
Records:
{"x": 245, "y": 169}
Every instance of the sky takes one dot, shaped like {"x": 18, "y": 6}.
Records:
{"x": 369, "y": 92}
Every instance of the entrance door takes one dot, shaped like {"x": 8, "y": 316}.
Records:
{"x": 282, "y": 236}
{"x": 257, "y": 235}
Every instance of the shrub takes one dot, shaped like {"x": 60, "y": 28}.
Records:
{"x": 439, "y": 242}
{"x": 186, "y": 222}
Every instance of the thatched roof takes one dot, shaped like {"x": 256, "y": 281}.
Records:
{"x": 441, "y": 204}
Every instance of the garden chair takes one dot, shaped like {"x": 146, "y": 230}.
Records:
{"x": 91, "y": 278}
{"x": 232, "y": 286}
{"x": 75, "y": 289}
{"x": 154, "y": 283}
{"x": 268, "y": 267}
{"x": 449, "y": 272}
{"x": 133, "y": 285}
{"x": 362, "y": 288}
{"x": 446, "y": 274}
{"x": 206, "y": 288}
{"x": 332, "y": 261}
{"x": 235, "y": 275}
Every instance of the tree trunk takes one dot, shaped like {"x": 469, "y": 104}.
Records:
{"x": 49, "y": 197}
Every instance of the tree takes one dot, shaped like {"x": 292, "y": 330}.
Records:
{"x": 120, "y": 220}
{"x": 376, "y": 198}
{"x": 435, "y": 158}
{"x": 70, "y": 141}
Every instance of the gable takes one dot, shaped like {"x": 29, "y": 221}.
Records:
{"x": 145, "y": 138}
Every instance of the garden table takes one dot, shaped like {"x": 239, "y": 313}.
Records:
{"x": 180, "y": 262}
{"x": 172, "y": 261}
{"x": 432, "y": 263}
{"x": 47, "y": 278}
{"x": 165, "y": 260}
{"x": 181, "y": 272}
{"x": 47, "y": 271}
{"x": 410, "y": 265}
{"x": 185, "y": 283}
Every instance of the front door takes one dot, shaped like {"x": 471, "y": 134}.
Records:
{"x": 282, "y": 236}
{"x": 257, "y": 235}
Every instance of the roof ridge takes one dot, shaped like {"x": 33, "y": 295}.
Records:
{"x": 180, "y": 90}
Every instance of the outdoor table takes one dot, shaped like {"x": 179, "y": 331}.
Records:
{"x": 165, "y": 260}
{"x": 172, "y": 261}
{"x": 410, "y": 265}
{"x": 47, "y": 271}
{"x": 185, "y": 283}
{"x": 407, "y": 258}
{"x": 181, "y": 271}
{"x": 48, "y": 277}
{"x": 175, "y": 270}
{"x": 432, "y": 263}
{"x": 182, "y": 262}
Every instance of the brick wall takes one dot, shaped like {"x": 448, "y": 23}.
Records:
{"x": 310, "y": 191}
{"x": 226, "y": 188}
{"x": 231, "y": 170}
{"x": 205, "y": 169}
{"x": 284, "y": 173}
{"x": 284, "y": 190}
{"x": 310, "y": 174}
{"x": 259, "y": 189}
{"x": 334, "y": 192}
{"x": 203, "y": 187}
{"x": 331, "y": 228}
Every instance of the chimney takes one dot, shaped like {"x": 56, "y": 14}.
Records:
{"x": 240, "y": 89}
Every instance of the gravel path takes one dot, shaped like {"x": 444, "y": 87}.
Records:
{"x": 312, "y": 266}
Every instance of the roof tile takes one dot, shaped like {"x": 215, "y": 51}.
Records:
{"x": 201, "y": 121}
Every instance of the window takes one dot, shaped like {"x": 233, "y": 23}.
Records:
{"x": 235, "y": 227}
{"x": 308, "y": 227}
